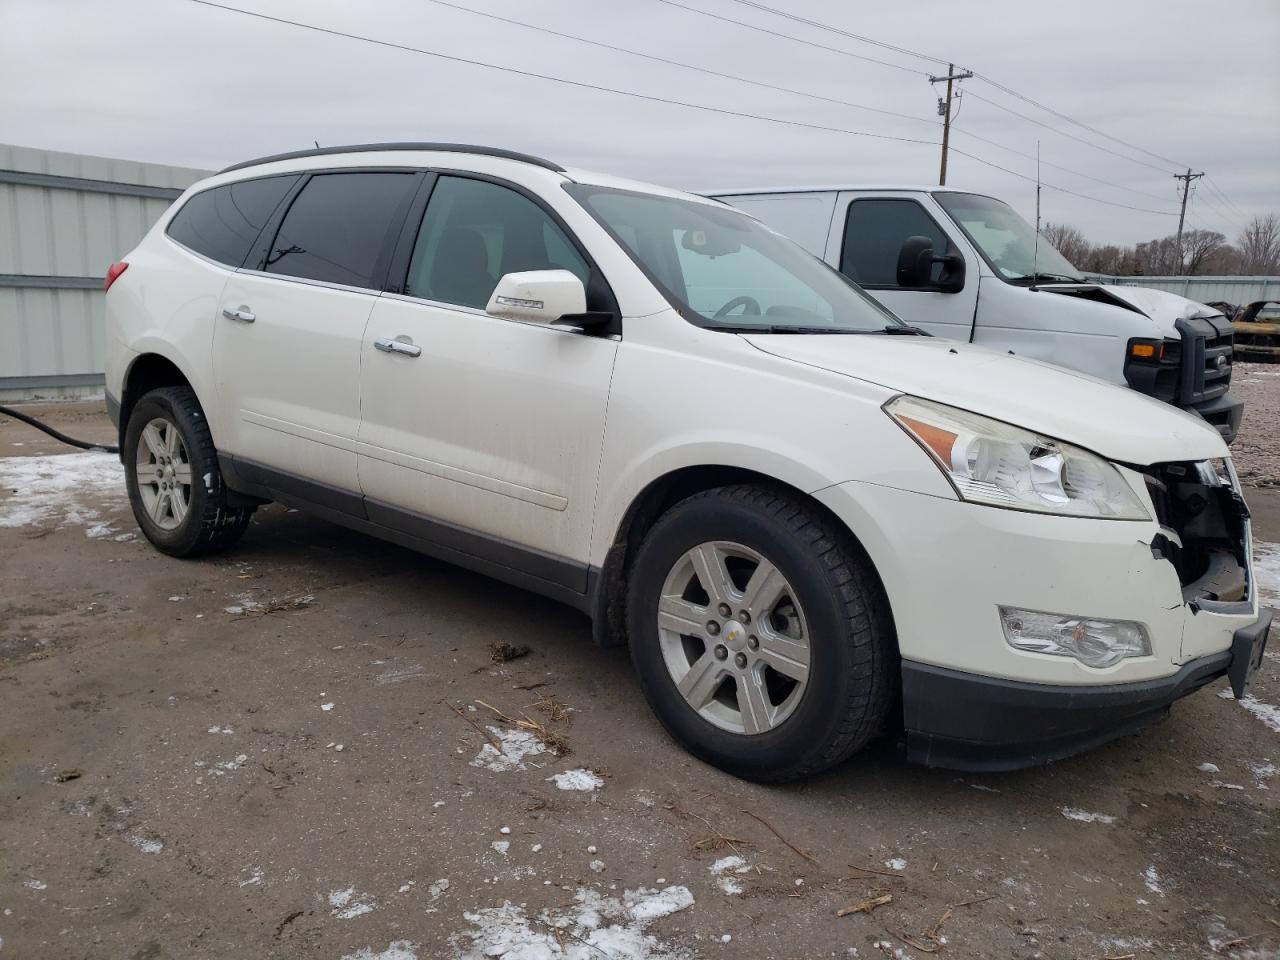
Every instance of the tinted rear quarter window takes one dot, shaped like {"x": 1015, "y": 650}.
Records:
{"x": 874, "y": 233}
{"x": 222, "y": 223}
{"x": 337, "y": 228}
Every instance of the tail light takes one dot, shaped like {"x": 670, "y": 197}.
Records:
{"x": 113, "y": 274}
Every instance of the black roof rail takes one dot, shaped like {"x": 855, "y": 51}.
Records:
{"x": 378, "y": 147}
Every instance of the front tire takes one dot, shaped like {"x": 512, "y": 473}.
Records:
{"x": 175, "y": 486}
{"x": 760, "y": 633}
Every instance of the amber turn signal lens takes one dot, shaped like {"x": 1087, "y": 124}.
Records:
{"x": 1147, "y": 350}
{"x": 936, "y": 439}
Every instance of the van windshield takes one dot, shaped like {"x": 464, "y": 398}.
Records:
{"x": 726, "y": 271}
{"x": 1006, "y": 240}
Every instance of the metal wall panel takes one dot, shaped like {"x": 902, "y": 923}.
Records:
{"x": 1237, "y": 290}
{"x": 64, "y": 218}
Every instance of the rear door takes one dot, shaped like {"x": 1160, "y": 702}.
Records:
{"x": 866, "y": 236}
{"x": 286, "y": 348}
{"x": 485, "y": 436}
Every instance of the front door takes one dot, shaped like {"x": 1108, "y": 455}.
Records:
{"x": 286, "y": 347}
{"x": 875, "y": 229}
{"x": 481, "y": 433}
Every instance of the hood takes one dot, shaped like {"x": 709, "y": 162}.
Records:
{"x": 1113, "y": 421}
{"x": 1164, "y": 308}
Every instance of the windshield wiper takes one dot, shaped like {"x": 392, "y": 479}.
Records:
{"x": 1034, "y": 278}
{"x": 780, "y": 328}
{"x": 905, "y": 330}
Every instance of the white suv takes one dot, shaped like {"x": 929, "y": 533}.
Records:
{"x": 810, "y": 522}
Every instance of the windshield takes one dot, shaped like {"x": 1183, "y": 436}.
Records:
{"x": 1005, "y": 239}
{"x": 722, "y": 269}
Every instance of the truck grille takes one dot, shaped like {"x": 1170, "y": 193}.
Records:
{"x": 1205, "y": 370}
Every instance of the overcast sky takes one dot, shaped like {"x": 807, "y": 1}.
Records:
{"x": 1198, "y": 83}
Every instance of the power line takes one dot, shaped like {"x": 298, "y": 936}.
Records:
{"x": 554, "y": 79}
{"x": 649, "y": 97}
{"x": 1229, "y": 202}
{"x": 678, "y": 63}
{"x": 994, "y": 83}
{"x": 770, "y": 86}
{"x": 844, "y": 33}
{"x": 791, "y": 37}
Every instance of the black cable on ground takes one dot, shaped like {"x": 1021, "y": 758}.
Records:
{"x": 10, "y": 412}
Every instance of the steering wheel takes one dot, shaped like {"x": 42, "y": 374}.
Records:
{"x": 752, "y": 307}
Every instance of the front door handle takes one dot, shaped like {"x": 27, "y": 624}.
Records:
{"x": 398, "y": 346}
{"x": 243, "y": 314}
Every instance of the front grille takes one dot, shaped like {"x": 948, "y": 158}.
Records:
{"x": 1205, "y": 369}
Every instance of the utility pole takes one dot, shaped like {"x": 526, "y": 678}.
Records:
{"x": 1186, "y": 179}
{"x": 944, "y": 109}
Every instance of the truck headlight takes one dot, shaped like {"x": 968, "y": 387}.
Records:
{"x": 1091, "y": 640}
{"x": 1006, "y": 466}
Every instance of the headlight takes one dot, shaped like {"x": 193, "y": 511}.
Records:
{"x": 1093, "y": 641}
{"x": 1005, "y": 466}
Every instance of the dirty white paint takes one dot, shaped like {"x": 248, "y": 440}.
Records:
{"x": 897, "y": 863}
{"x": 146, "y": 845}
{"x": 59, "y": 490}
{"x": 396, "y": 950}
{"x": 1084, "y": 816}
{"x": 516, "y": 745}
{"x": 724, "y": 869}
{"x": 579, "y": 779}
{"x": 593, "y": 926}
{"x": 347, "y": 904}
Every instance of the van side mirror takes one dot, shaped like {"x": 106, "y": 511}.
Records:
{"x": 915, "y": 267}
{"x": 538, "y": 296}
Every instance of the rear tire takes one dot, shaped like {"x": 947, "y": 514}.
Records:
{"x": 804, "y": 669}
{"x": 175, "y": 486}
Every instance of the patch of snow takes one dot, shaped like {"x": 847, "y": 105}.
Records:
{"x": 146, "y": 845}
{"x": 1262, "y": 771}
{"x": 1264, "y": 711}
{"x": 326, "y": 707}
{"x": 1084, "y": 816}
{"x": 1266, "y": 572}
{"x": 400, "y": 674}
{"x": 724, "y": 868}
{"x": 502, "y": 846}
{"x": 889, "y": 950}
{"x": 1208, "y": 767}
{"x": 1223, "y": 785}
{"x": 347, "y": 904}
{"x": 592, "y": 927}
{"x": 217, "y": 729}
{"x": 516, "y": 745}
{"x": 35, "y": 884}
{"x": 236, "y": 764}
{"x": 579, "y": 779}
{"x": 396, "y": 950}
{"x": 897, "y": 863}
{"x": 56, "y": 489}
{"x": 254, "y": 878}
{"x": 1151, "y": 877}
{"x": 597, "y": 866}
{"x": 437, "y": 888}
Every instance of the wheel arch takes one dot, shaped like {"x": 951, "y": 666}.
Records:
{"x": 146, "y": 372}
{"x": 609, "y": 582}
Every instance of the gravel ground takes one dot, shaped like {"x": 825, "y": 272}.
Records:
{"x": 1257, "y": 448}
{"x": 289, "y": 751}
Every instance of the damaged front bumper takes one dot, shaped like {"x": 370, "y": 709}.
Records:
{"x": 970, "y": 699}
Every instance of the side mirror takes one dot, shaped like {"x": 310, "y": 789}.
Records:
{"x": 915, "y": 267}
{"x": 538, "y": 296}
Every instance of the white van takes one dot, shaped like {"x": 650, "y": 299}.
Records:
{"x": 967, "y": 267}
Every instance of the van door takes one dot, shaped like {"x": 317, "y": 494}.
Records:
{"x": 479, "y": 434}
{"x": 867, "y": 234}
{"x": 286, "y": 345}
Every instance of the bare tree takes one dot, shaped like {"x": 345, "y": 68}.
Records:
{"x": 1200, "y": 248}
{"x": 1259, "y": 245}
{"x": 1068, "y": 241}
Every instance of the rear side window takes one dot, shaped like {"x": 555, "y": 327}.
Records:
{"x": 222, "y": 223}
{"x": 874, "y": 233}
{"x": 473, "y": 233}
{"x": 338, "y": 227}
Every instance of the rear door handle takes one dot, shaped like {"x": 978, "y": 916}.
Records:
{"x": 243, "y": 314}
{"x": 398, "y": 346}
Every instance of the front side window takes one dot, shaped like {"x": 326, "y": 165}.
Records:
{"x": 222, "y": 223}
{"x": 475, "y": 231}
{"x": 874, "y": 232}
{"x": 723, "y": 269}
{"x": 1006, "y": 240}
{"x": 338, "y": 227}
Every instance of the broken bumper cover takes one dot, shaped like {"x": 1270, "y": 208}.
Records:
{"x": 965, "y": 721}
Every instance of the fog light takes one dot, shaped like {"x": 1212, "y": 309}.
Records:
{"x": 1092, "y": 641}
